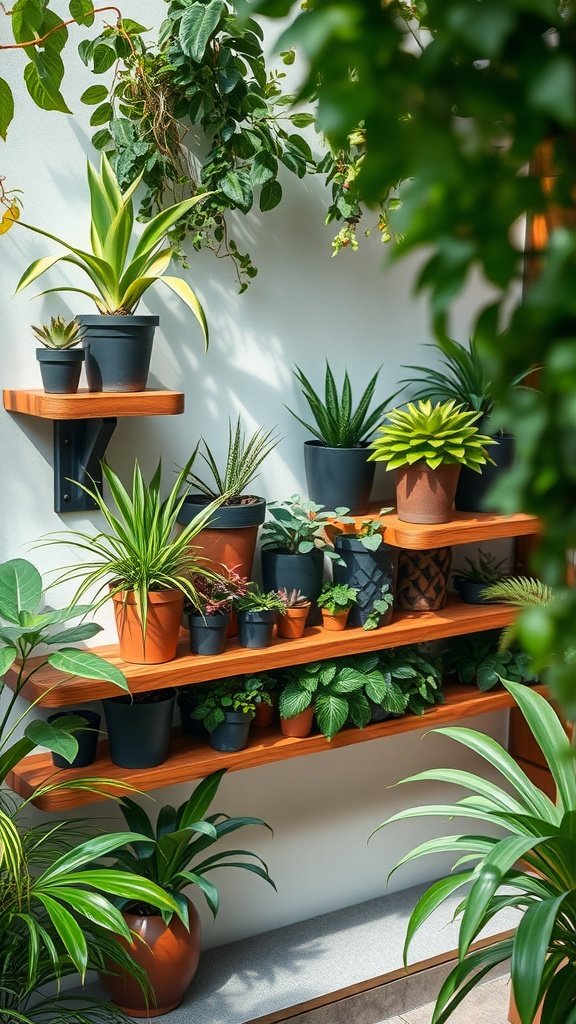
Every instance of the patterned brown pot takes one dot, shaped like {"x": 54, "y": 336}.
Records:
{"x": 423, "y": 579}
{"x": 425, "y": 495}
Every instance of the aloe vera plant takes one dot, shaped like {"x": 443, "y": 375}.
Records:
{"x": 338, "y": 424}
{"x": 120, "y": 277}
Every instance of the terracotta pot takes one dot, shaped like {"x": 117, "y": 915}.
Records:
{"x": 299, "y": 726}
{"x": 336, "y": 621}
{"x": 422, "y": 584}
{"x": 292, "y": 623}
{"x": 425, "y": 495}
{"x": 165, "y": 609}
{"x": 169, "y": 955}
{"x": 264, "y": 715}
{"x": 513, "y": 1013}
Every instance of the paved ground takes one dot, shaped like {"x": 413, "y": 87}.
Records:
{"x": 487, "y": 1005}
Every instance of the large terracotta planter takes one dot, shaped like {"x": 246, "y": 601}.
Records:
{"x": 299, "y": 726}
{"x": 168, "y": 954}
{"x": 231, "y": 537}
{"x": 160, "y": 641}
{"x": 425, "y": 495}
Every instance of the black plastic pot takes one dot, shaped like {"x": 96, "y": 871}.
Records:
{"x": 208, "y": 633}
{"x": 367, "y": 571}
{"x": 470, "y": 592}
{"x": 87, "y": 739}
{"x": 233, "y": 732}
{"x": 255, "y": 628}
{"x": 60, "y": 369}
{"x": 472, "y": 490}
{"x": 118, "y": 351}
{"x": 227, "y": 517}
{"x": 187, "y": 702}
{"x": 139, "y": 732}
{"x": 296, "y": 572}
{"x": 338, "y": 477}
{"x": 377, "y": 712}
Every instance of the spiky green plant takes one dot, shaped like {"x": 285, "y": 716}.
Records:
{"x": 485, "y": 568}
{"x": 338, "y": 424}
{"x": 529, "y": 864}
{"x": 520, "y": 592}
{"x": 120, "y": 279}
{"x": 59, "y": 333}
{"x": 243, "y": 460}
{"x": 436, "y": 435}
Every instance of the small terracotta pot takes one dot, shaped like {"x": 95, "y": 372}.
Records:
{"x": 299, "y": 726}
{"x": 169, "y": 955}
{"x": 513, "y": 1013}
{"x": 263, "y": 715}
{"x": 425, "y": 495}
{"x": 336, "y": 621}
{"x": 165, "y": 609}
{"x": 292, "y": 623}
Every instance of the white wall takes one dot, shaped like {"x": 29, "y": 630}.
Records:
{"x": 302, "y": 307}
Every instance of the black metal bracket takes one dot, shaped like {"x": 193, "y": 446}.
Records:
{"x": 79, "y": 445}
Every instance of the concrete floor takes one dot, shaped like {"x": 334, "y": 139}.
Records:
{"x": 488, "y": 1004}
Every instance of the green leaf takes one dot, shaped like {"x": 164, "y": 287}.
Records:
{"x": 7, "y": 658}
{"x": 68, "y": 931}
{"x": 302, "y": 120}
{"x": 197, "y": 24}
{"x": 85, "y": 631}
{"x": 103, "y": 57}
{"x": 27, "y": 18}
{"x": 42, "y": 77}
{"x": 54, "y": 737}
{"x": 6, "y": 107}
{"x": 331, "y": 713}
{"x": 531, "y": 948}
{"x": 101, "y": 115}
{"x": 270, "y": 195}
{"x": 264, "y": 167}
{"x": 82, "y": 11}
{"x": 95, "y": 94}
{"x": 236, "y": 185}
{"x": 87, "y": 666}
{"x": 20, "y": 589}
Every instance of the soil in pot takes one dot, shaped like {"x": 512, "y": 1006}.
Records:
{"x": 232, "y": 734}
{"x": 162, "y": 626}
{"x": 292, "y": 623}
{"x": 295, "y": 572}
{"x": 368, "y": 572}
{"x": 87, "y": 739}
{"x": 60, "y": 369}
{"x": 422, "y": 584}
{"x": 425, "y": 495}
{"x": 339, "y": 477}
{"x": 117, "y": 351}
{"x": 169, "y": 955}
{"x": 139, "y": 728}
{"x": 187, "y": 701}
{"x": 208, "y": 633}
{"x": 470, "y": 591}
{"x": 335, "y": 621}
{"x": 255, "y": 629}
{"x": 299, "y": 726}
{"x": 472, "y": 493}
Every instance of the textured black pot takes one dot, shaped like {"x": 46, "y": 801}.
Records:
{"x": 118, "y": 351}
{"x": 208, "y": 633}
{"x": 255, "y": 628}
{"x": 187, "y": 703}
{"x": 233, "y": 732}
{"x": 296, "y": 572}
{"x": 60, "y": 369}
{"x": 139, "y": 733}
{"x": 368, "y": 572}
{"x": 338, "y": 477}
{"x": 470, "y": 592}
{"x": 472, "y": 490}
{"x": 87, "y": 739}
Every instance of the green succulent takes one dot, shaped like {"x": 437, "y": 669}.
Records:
{"x": 338, "y": 424}
{"x": 434, "y": 434}
{"x": 59, "y": 333}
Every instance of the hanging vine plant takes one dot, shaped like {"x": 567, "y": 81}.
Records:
{"x": 198, "y": 110}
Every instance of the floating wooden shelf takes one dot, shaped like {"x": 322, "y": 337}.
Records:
{"x": 317, "y": 644}
{"x": 87, "y": 405}
{"x": 193, "y": 759}
{"x": 463, "y": 528}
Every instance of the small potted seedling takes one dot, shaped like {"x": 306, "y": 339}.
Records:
{"x": 257, "y": 615}
{"x": 60, "y": 362}
{"x": 209, "y": 617}
{"x": 292, "y": 621}
{"x": 335, "y": 602}
{"x": 479, "y": 573}
{"x": 226, "y": 712}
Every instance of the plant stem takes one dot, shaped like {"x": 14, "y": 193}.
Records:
{"x": 63, "y": 24}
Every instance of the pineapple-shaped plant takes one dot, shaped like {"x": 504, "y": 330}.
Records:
{"x": 60, "y": 360}
{"x": 59, "y": 333}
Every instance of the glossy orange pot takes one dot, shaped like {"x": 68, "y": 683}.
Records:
{"x": 299, "y": 726}
{"x": 425, "y": 495}
{"x": 165, "y": 608}
{"x": 292, "y": 622}
{"x": 169, "y": 954}
{"x": 336, "y": 621}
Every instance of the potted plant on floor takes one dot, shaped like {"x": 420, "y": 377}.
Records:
{"x": 477, "y": 574}
{"x": 257, "y": 615}
{"x": 482, "y": 661}
{"x": 60, "y": 362}
{"x": 226, "y": 711}
{"x": 229, "y": 537}
{"x": 335, "y": 601}
{"x": 337, "y": 469}
{"x": 141, "y": 562}
{"x": 427, "y": 445}
{"x": 292, "y": 621}
{"x": 118, "y": 344}
{"x": 529, "y": 864}
{"x": 209, "y": 618}
{"x": 369, "y": 565}
{"x": 176, "y": 853}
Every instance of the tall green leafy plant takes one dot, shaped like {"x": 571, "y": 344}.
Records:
{"x": 530, "y": 864}
{"x": 243, "y": 460}
{"x": 337, "y": 424}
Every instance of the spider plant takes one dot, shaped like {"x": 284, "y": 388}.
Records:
{"x": 120, "y": 278}
{"x": 243, "y": 460}
{"x": 530, "y": 864}
{"x": 337, "y": 423}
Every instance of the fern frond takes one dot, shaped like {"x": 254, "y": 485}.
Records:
{"x": 520, "y": 591}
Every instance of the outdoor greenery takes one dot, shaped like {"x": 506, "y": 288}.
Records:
{"x": 298, "y": 526}
{"x": 243, "y": 461}
{"x": 59, "y": 333}
{"x": 528, "y": 865}
{"x": 481, "y": 659}
{"x": 337, "y": 423}
{"x": 437, "y": 435}
{"x": 337, "y": 597}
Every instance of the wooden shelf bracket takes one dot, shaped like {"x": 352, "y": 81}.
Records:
{"x": 79, "y": 445}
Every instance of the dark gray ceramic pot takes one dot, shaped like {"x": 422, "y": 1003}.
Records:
{"x": 339, "y": 477}
{"x": 60, "y": 369}
{"x": 118, "y": 351}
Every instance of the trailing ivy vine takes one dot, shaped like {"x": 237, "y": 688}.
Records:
{"x": 198, "y": 110}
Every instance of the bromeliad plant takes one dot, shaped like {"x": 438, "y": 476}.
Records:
{"x": 59, "y": 333}
{"x": 243, "y": 460}
{"x": 336, "y": 423}
{"x": 530, "y": 865}
{"x": 443, "y": 434}
{"x": 119, "y": 277}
